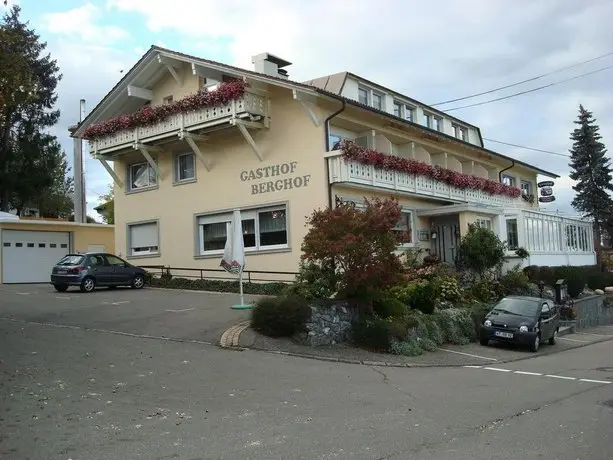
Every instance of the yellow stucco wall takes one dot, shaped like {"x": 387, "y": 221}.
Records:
{"x": 81, "y": 235}
{"x": 292, "y": 138}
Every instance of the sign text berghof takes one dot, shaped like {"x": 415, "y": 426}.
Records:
{"x": 274, "y": 182}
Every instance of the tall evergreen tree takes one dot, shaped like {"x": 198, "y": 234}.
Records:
{"x": 592, "y": 170}
{"x": 28, "y": 81}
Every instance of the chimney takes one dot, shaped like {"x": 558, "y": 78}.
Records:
{"x": 271, "y": 65}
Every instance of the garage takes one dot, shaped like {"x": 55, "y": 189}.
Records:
{"x": 28, "y": 256}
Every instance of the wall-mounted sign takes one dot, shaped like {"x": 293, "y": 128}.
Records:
{"x": 545, "y": 183}
{"x": 276, "y": 185}
{"x": 547, "y": 199}
{"x": 546, "y": 191}
{"x": 423, "y": 235}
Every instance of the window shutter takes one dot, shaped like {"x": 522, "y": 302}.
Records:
{"x": 144, "y": 235}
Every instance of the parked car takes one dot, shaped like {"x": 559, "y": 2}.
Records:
{"x": 522, "y": 320}
{"x": 94, "y": 269}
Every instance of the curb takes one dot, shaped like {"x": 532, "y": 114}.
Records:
{"x": 230, "y": 340}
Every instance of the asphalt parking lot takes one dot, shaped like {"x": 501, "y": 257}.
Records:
{"x": 182, "y": 315}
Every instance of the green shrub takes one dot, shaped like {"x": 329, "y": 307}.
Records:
{"x": 280, "y": 316}
{"x": 532, "y": 272}
{"x": 424, "y": 297}
{"x": 314, "y": 282}
{"x": 599, "y": 280}
{"x": 450, "y": 289}
{"x": 514, "y": 282}
{"x": 387, "y": 306}
{"x": 402, "y": 292}
{"x": 456, "y": 326}
{"x": 481, "y": 250}
{"x": 219, "y": 286}
{"x": 377, "y": 334}
{"x": 406, "y": 348}
{"x": 483, "y": 291}
{"x": 547, "y": 275}
{"x": 522, "y": 253}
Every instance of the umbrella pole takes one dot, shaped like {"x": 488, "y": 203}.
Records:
{"x": 242, "y": 305}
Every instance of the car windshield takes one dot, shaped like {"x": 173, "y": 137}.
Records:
{"x": 519, "y": 307}
{"x": 71, "y": 260}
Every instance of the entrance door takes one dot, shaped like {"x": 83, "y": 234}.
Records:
{"x": 29, "y": 256}
{"x": 447, "y": 242}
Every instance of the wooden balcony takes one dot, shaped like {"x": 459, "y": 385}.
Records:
{"x": 246, "y": 108}
{"x": 349, "y": 172}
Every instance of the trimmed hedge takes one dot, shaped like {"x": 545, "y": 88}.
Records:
{"x": 576, "y": 276}
{"x": 218, "y": 285}
{"x": 280, "y": 316}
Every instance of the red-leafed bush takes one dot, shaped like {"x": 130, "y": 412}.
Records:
{"x": 360, "y": 243}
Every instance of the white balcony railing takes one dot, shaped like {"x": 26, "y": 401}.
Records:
{"x": 341, "y": 170}
{"x": 249, "y": 104}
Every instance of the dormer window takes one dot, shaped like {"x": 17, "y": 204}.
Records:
{"x": 433, "y": 121}
{"x": 167, "y": 100}
{"x": 363, "y": 96}
{"x": 377, "y": 101}
{"x": 460, "y": 132}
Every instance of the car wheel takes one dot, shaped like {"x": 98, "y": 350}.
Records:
{"x": 88, "y": 284}
{"x": 554, "y": 337}
{"x": 537, "y": 342}
{"x": 484, "y": 342}
{"x": 138, "y": 282}
{"x": 61, "y": 287}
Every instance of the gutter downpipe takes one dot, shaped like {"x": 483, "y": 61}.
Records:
{"x": 505, "y": 169}
{"x": 327, "y": 134}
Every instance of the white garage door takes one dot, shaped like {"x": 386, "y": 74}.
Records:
{"x": 28, "y": 257}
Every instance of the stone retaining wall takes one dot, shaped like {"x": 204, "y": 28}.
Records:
{"x": 594, "y": 311}
{"x": 328, "y": 324}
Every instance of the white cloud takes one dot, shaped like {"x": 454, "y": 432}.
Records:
{"x": 81, "y": 23}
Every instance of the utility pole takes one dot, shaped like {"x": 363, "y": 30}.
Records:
{"x": 79, "y": 196}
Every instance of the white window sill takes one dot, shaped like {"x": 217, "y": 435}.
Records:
{"x": 141, "y": 189}
{"x": 263, "y": 250}
{"x": 143, "y": 255}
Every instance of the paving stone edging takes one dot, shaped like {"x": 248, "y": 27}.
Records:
{"x": 230, "y": 339}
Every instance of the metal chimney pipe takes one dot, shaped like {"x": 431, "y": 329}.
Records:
{"x": 80, "y": 209}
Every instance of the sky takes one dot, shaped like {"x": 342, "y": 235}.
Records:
{"x": 431, "y": 52}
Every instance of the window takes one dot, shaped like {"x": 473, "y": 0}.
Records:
{"x": 484, "y": 222}
{"x": 30, "y": 245}
{"x": 460, "y": 132}
{"x": 185, "y": 167}
{"x": 377, "y": 101}
{"x": 526, "y": 188}
{"x": 41, "y": 245}
{"x": 508, "y": 180}
{"x": 18, "y": 245}
{"x": 116, "y": 261}
{"x": 262, "y": 229}
{"x": 52, "y": 245}
{"x": 404, "y": 228}
{"x": 438, "y": 123}
{"x": 409, "y": 113}
{"x": 143, "y": 239}
{"x": 427, "y": 120}
{"x": 363, "y": 96}
{"x": 167, "y": 100}
{"x": 397, "y": 109}
{"x": 141, "y": 176}
{"x": 512, "y": 234}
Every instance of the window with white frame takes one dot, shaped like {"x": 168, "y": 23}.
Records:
{"x": 404, "y": 228}
{"x": 409, "y": 113}
{"x": 377, "y": 101}
{"x": 143, "y": 239}
{"x": 427, "y": 120}
{"x": 508, "y": 180}
{"x": 460, "y": 132}
{"x": 433, "y": 121}
{"x": 141, "y": 176}
{"x": 263, "y": 229}
{"x": 526, "y": 188}
{"x": 185, "y": 167}
{"x": 512, "y": 234}
{"x": 484, "y": 222}
{"x": 363, "y": 96}
{"x": 397, "y": 109}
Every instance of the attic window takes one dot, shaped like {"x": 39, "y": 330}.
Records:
{"x": 167, "y": 99}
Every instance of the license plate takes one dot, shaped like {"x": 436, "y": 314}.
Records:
{"x": 506, "y": 335}
{"x": 62, "y": 272}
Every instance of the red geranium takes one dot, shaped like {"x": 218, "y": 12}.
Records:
{"x": 354, "y": 152}
{"x": 225, "y": 92}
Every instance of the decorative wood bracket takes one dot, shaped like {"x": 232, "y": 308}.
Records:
{"x": 171, "y": 68}
{"x": 242, "y": 125}
{"x": 145, "y": 150}
{"x": 191, "y": 141}
{"x": 308, "y": 103}
{"x": 112, "y": 173}
{"x": 140, "y": 93}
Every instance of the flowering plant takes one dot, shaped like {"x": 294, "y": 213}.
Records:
{"x": 145, "y": 116}
{"x": 354, "y": 152}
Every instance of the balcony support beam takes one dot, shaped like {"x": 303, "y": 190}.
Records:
{"x": 242, "y": 125}
{"x": 145, "y": 150}
{"x": 191, "y": 141}
{"x": 174, "y": 71}
{"x": 111, "y": 172}
{"x": 308, "y": 103}
{"x": 140, "y": 93}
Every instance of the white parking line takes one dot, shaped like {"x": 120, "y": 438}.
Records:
{"x": 179, "y": 311}
{"x": 527, "y": 373}
{"x": 497, "y": 369}
{"x": 62, "y": 298}
{"x": 22, "y": 293}
{"x": 573, "y": 340}
{"x": 593, "y": 381}
{"x": 562, "y": 377}
{"x": 121, "y": 302}
{"x": 468, "y": 354}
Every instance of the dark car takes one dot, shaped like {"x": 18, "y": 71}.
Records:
{"x": 95, "y": 269}
{"x": 523, "y": 321}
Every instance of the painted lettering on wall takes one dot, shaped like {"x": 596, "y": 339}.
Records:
{"x": 274, "y": 182}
